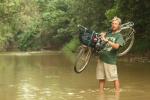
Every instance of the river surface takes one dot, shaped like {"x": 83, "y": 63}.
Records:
{"x": 50, "y": 76}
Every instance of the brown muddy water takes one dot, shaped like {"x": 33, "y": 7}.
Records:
{"x": 50, "y": 76}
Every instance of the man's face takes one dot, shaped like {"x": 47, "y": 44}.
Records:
{"x": 115, "y": 25}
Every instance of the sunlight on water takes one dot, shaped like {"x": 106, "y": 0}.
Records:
{"x": 26, "y": 91}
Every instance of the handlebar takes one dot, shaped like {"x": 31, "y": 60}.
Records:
{"x": 127, "y": 25}
{"x": 82, "y": 27}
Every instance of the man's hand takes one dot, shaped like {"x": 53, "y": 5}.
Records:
{"x": 104, "y": 39}
{"x": 112, "y": 44}
{"x": 102, "y": 36}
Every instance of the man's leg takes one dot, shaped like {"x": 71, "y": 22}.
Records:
{"x": 101, "y": 85}
{"x": 112, "y": 75}
{"x": 100, "y": 75}
{"x": 117, "y": 85}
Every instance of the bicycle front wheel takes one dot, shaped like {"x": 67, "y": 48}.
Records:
{"x": 82, "y": 59}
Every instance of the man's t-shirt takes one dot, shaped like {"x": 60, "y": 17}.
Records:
{"x": 108, "y": 54}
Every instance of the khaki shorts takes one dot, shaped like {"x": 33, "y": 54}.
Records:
{"x": 106, "y": 71}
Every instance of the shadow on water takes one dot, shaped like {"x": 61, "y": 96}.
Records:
{"x": 50, "y": 76}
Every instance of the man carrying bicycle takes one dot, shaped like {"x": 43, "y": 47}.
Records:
{"x": 106, "y": 67}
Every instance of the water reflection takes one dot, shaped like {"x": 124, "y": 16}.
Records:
{"x": 50, "y": 76}
{"x": 26, "y": 91}
{"x": 116, "y": 96}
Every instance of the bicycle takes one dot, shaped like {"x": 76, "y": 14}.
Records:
{"x": 91, "y": 44}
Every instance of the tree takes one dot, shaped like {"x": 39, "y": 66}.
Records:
{"x": 138, "y": 12}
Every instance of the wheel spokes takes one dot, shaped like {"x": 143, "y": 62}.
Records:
{"x": 128, "y": 36}
{"x": 83, "y": 59}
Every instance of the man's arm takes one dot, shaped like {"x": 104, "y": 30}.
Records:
{"x": 112, "y": 44}
{"x": 119, "y": 42}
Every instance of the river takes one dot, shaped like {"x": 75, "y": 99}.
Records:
{"x": 50, "y": 76}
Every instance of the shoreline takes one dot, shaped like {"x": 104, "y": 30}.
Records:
{"x": 125, "y": 58}
{"x": 135, "y": 58}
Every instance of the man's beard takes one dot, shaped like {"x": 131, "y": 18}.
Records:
{"x": 114, "y": 30}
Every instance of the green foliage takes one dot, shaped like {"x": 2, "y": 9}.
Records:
{"x": 28, "y": 39}
{"x": 51, "y": 24}
{"x": 72, "y": 45}
{"x": 37, "y": 24}
{"x": 138, "y": 12}
{"x": 111, "y": 13}
{"x": 141, "y": 46}
{"x": 5, "y": 35}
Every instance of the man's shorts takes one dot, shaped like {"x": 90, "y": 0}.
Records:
{"x": 106, "y": 71}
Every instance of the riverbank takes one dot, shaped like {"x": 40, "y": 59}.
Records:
{"x": 26, "y": 53}
{"x": 135, "y": 58}
{"x": 141, "y": 58}
{"x": 126, "y": 58}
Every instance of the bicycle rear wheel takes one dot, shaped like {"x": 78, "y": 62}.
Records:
{"x": 82, "y": 59}
{"x": 128, "y": 35}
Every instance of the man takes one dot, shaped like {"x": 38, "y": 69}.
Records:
{"x": 106, "y": 67}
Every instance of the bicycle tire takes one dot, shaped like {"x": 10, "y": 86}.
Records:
{"x": 129, "y": 46}
{"x": 83, "y": 56}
